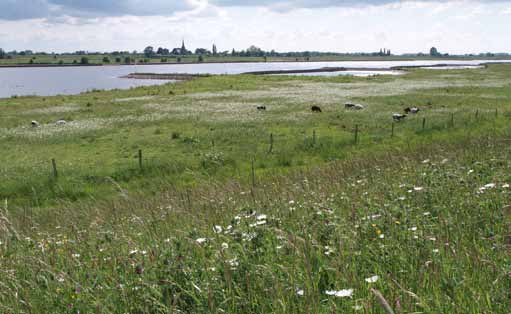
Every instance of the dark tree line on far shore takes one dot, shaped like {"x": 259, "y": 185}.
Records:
{"x": 252, "y": 51}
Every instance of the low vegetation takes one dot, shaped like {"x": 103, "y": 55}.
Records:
{"x": 235, "y": 210}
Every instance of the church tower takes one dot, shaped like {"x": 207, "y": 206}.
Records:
{"x": 183, "y": 48}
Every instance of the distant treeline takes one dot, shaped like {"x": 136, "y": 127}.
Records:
{"x": 252, "y": 51}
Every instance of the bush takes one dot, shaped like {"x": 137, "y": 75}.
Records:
{"x": 84, "y": 60}
{"x": 117, "y": 60}
{"x": 127, "y": 60}
{"x": 106, "y": 60}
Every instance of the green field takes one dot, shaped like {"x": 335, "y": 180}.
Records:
{"x": 235, "y": 210}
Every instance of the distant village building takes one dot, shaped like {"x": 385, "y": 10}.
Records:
{"x": 181, "y": 51}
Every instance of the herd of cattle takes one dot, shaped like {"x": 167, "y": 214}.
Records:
{"x": 351, "y": 106}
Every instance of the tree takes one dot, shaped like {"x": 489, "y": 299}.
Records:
{"x": 127, "y": 60}
{"x": 84, "y": 60}
{"x": 433, "y": 52}
{"x": 149, "y": 51}
{"x": 106, "y": 60}
{"x": 215, "y": 52}
{"x": 202, "y": 51}
{"x": 2, "y": 53}
{"x": 117, "y": 60}
{"x": 201, "y": 58}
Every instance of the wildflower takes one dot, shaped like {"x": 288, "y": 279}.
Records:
{"x": 345, "y": 293}
{"x": 470, "y": 171}
{"x": 133, "y": 252}
{"x": 426, "y": 213}
{"x": 398, "y": 222}
{"x": 76, "y": 255}
{"x": 382, "y": 236}
{"x": 426, "y": 161}
{"x": 372, "y": 217}
{"x": 372, "y": 279}
{"x": 225, "y": 246}
{"x": 412, "y": 229}
{"x": 444, "y": 161}
{"x": 432, "y": 239}
{"x": 261, "y": 217}
{"x": 291, "y": 202}
{"x": 486, "y": 187}
{"x": 418, "y": 188}
{"x": 358, "y": 307}
{"x": 217, "y": 229}
{"x": 328, "y": 250}
{"x": 200, "y": 240}
{"x": 435, "y": 250}
{"x": 505, "y": 186}
{"x": 233, "y": 262}
{"x": 300, "y": 292}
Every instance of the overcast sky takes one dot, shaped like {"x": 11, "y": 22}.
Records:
{"x": 284, "y": 25}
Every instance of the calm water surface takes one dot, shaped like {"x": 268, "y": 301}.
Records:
{"x": 74, "y": 80}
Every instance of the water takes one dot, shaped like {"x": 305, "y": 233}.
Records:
{"x": 47, "y": 81}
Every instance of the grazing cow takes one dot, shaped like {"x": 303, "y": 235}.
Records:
{"x": 261, "y": 107}
{"x": 353, "y": 106}
{"x": 412, "y": 110}
{"x": 35, "y": 124}
{"x": 316, "y": 109}
{"x": 398, "y": 117}
{"x": 61, "y": 122}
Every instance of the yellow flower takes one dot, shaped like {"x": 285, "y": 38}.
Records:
{"x": 398, "y": 222}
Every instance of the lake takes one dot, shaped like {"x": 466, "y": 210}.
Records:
{"x": 48, "y": 81}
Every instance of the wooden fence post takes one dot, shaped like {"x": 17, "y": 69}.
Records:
{"x": 313, "y": 137}
{"x": 423, "y": 123}
{"x": 140, "y": 159}
{"x": 356, "y": 134}
{"x": 54, "y": 166}
{"x": 271, "y": 143}
{"x": 392, "y": 134}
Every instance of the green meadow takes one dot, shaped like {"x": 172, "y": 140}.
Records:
{"x": 184, "y": 198}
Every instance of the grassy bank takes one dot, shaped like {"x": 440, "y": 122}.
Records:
{"x": 236, "y": 210}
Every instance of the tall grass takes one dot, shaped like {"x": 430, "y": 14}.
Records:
{"x": 414, "y": 223}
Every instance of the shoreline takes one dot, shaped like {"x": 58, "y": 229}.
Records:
{"x": 187, "y": 76}
{"x": 51, "y": 65}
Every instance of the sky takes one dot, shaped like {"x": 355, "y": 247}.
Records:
{"x": 455, "y": 27}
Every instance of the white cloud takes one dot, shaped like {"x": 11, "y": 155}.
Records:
{"x": 408, "y": 26}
